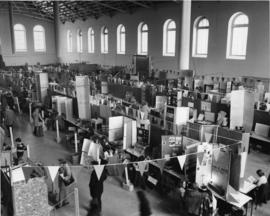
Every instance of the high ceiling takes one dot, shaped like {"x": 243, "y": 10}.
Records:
{"x": 74, "y": 10}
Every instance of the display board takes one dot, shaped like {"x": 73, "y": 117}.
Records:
{"x": 142, "y": 65}
{"x": 242, "y": 110}
{"x": 130, "y": 133}
{"x": 5, "y": 159}
{"x": 204, "y": 165}
{"x": 171, "y": 145}
{"x": 160, "y": 101}
{"x": 116, "y": 128}
{"x": 220, "y": 175}
{"x": 181, "y": 115}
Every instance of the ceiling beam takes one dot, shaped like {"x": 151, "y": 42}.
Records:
{"x": 139, "y": 3}
{"x": 109, "y": 6}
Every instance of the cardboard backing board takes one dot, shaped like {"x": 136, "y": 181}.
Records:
{"x": 116, "y": 128}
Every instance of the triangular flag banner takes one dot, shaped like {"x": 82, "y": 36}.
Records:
{"x": 161, "y": 164}
{"x": 182, "y": 160}
{"x": 99, "y": 170}
{"x": 200, "y": 157}
{"x": 142, "y": 166}
{"x": 216, "y": 154}
{"x": 53, "y": 170}
{"x": 208, "y": 137}
{"x": 243, "y": 164}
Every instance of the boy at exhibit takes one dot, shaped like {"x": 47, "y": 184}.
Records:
{"x": 20, "y": 149}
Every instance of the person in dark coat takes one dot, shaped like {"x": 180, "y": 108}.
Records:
{"x": 143, "y": 204}
{"x": 96, "y": 186}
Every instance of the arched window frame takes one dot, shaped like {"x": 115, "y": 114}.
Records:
{"x": 143, "y": 31}
{"x": 169, "y": 27}
{"x": 104, "y": 40}
{"x": 200, "y": 45}
{"x": 91, "y": 40}
{"x": 39, "y": 38}
{"x": 121, "y": 39}
{"x": 20, "y": 38}
{"x": 232, "y": 27}
{"x": 69, "y": 41}
{"x": 79, "y": 41}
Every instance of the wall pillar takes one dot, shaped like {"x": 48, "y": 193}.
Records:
{"x": 185, "y": 36}
{"x": 10, "y": 13}
{"x": 56, "y": 28}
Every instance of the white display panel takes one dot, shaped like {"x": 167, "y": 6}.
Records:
{"x": 116, "y": 128}
{"x": 181, "y": 115}
{"x": 83, "y": 96}
{"x": 242, "y": 110}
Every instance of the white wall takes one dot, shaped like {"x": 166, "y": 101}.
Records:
{"x": 30, "y": 56}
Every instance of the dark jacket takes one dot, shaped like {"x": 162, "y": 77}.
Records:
{"x": 96, "y": 185}
{"x": 193, "y": 199}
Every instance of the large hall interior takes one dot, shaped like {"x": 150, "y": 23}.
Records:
{"x": 135, "y": 108}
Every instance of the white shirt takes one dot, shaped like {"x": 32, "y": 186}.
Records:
{"x": 262, "y": 180}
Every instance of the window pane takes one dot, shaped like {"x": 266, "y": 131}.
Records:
{"x": 202, "y": 41}
{"x": 171, "y": 25}
{"x": 122, "y": 43}
{"x": 39, "y": 41}
{"x": 203, "y": 23}
{"x": 144, "y": 42}
{"x": 241, "y": 19}
{"x": 171, "y": 42}
{"x": 105, "y": 43}
{"x": 144, "y": 27}
{"x": 20, "y": 40}
{"x": 239, "y": 41}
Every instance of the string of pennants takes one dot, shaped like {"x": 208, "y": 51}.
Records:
{"x": 99, "y": 168}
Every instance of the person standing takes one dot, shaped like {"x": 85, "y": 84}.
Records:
{"x": 9, "y": 119}
{"x": 96, "y": 187}
{"x": 65, "y": 178}
{"x": 37, "y": 119}
{"x": 143, "y": 204}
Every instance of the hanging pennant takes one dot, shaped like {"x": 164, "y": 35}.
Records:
{"x": 99, "y": 170}
{"x": 182, "y": 160}
{"x": 53, "y": 170}
{"x": 200, "y": 156}
{"x": 208, "y": 137}
{"x": 161, "y": 164}
{"x": 142, "y": 166}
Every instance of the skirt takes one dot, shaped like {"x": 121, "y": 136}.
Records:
{"x": 38, "y": 131}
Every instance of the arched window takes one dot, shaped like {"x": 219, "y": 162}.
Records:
{"x": 39, "y": 39}
{"x": 169, "y": 36}
{"x": 121, "y": 39}
{"x": 20, "y": 38}
{"x": 142, "y": 39}
{"x": 237, "y": 36}
{"x": 91, "y": 40}
{"x": 104, "y": 40}
{"x": 69, "y": 41}
{"x": 200, "y": 37}
{"x": 79, "y": 41}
